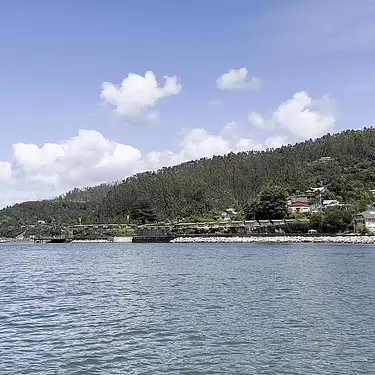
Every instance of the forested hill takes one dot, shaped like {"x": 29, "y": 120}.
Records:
{"x": 344, "y": 163}
{"x": 206, "y": 185}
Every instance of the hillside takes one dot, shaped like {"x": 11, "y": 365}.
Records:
{"x": 207, "y": 186}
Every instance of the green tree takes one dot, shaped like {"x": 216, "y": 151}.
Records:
{"x": 142, "y": 212}
{"x": 252, "y": 210}
{"x": 317, "y": 221}
{"x": 362, "y": 229}
{"x": 270, "y": 204}
{"x": 332, "y": 220}
{"x": 336, "y": 220}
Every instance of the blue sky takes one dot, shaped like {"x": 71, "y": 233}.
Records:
{"x": 241, "y": 75}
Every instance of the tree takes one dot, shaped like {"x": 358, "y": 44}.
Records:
{"x": 317, "y": 221}
{"x": 252, "y": 209}
{"x": 336, "y": 220}
{"x": 362, "y": 229}
{"x": 143, "y": 212}
{"x": 332, "y": 220}
{"x": 270, "y": 204}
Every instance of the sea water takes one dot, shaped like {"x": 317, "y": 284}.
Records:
{"x": 187, "y": 309}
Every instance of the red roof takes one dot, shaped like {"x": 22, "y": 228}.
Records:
{"x": 299, "y": 204}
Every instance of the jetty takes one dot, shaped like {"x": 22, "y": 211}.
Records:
{"x": 287, "y": 239}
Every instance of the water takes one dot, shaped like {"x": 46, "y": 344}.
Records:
{"x": 187, "y": 309}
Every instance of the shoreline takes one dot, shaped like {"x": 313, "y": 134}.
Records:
{"x": 279, "y": 239}
{"x": 240, "y": 239}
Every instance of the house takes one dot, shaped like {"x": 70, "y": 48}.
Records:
{"x": 316, "y": 190}
{"x": 366, "y": 218}
{"x": 300, "y": 207}
{"x": 299, "y": 203}
{"x": 330, "y": 203}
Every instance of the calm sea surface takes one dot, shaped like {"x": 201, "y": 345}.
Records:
{"x": 187, "y": 309}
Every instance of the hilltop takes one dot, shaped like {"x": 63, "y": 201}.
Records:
{"x": 343, "y": 163}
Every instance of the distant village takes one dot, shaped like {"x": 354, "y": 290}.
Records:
{"x": 300, "y": 206}
{"x": 311, "y": 202}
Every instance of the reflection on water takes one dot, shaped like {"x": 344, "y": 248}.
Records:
{"x": 187, "y": 309}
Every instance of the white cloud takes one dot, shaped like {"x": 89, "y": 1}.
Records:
{"x": 5, "y": 172}
{"x": 135, "y": 97}
{"x": 85, "y": 159}
{"x": 301, "y": 116}
{"x": 238, "y": 79}
{"x": 305, "y": 117}
{"x": 89, "y": 158}
{"x": 198, "y": 143}
{"x": 276, "y": 141}
{"x": 256, "y": 119}
{"x": 215, "y": 103}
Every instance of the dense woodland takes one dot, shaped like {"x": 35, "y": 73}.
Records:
{"x": 203, "y": 188}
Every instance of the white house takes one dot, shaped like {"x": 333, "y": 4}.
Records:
{"x": 315, "y": 190}
{"x": 330, "y": 203}
{"x": 366, "y": 218}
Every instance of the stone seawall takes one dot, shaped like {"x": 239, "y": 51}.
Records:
{"x": 279, "y": 239}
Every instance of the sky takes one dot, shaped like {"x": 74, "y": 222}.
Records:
{"x": 94, "y": 91}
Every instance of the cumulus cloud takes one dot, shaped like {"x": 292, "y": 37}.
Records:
{"x": 256, "y": 119}
{"x": 238, "y": 79}
{"x": 198, "y": 143}
{"x": 276, "y": 141}
{"x": 305, "y": 117}
{"x": 135, "y": 97}
{"x": 5, "y": 172}
{"x": 301, "y": 116}
{"x": 89, "y": 158}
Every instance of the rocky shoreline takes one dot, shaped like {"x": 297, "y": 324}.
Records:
{"x": 279, "y": 239}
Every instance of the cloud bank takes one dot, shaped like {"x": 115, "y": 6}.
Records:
{"x": 89, "y": 158}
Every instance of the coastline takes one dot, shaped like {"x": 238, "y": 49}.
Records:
{"x": 348, "y": 239}
{"x": 279, "y": 239}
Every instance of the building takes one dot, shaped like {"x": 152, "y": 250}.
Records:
{"x": 316, "y": 190}
{"x": 330, "y": 203}
{"x": 299, "y": 203}
{"x": 300, "y": 207}
{"x": 366, "y": 218}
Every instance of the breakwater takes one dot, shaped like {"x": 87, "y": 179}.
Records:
{"x": 278, "y": 239}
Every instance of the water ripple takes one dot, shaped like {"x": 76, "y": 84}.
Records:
{"x": 187, "y": 309}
